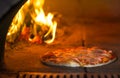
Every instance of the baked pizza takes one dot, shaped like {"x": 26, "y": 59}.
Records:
{"x": 78, "y": 57}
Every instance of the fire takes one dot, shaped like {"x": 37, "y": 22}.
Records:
{"x": 32, "y": 24}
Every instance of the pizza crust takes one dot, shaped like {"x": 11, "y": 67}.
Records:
{"x": 110, "y": 61}
{"x": 67, "y": 64}
{"x": 74, "y": 64}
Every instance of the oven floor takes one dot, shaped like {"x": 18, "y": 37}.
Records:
{"x": 26, "y": 57}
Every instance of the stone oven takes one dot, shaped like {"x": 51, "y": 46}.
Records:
{"x": 79, "y": 23}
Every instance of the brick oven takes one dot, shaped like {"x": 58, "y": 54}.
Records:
{"x": 79, "y": 23}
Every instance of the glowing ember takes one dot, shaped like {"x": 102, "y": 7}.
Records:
{"x": 31, "y": 23}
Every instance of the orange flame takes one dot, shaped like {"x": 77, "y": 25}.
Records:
{"x": 32, "y": 13}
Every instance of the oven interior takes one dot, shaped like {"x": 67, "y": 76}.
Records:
{"x": 95, "y": 22}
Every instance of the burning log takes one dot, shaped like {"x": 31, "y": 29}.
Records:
{"x": 25, "y": 33}
{"x": 32, "y": 24}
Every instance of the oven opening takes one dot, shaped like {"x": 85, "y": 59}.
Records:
{"x": 42, "y": 26}
{"x": 34, "y": 31}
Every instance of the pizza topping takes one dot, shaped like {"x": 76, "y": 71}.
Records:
{"x": 79, "y": 56}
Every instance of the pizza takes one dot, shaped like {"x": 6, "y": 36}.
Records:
{"x": 78, "y": 57}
